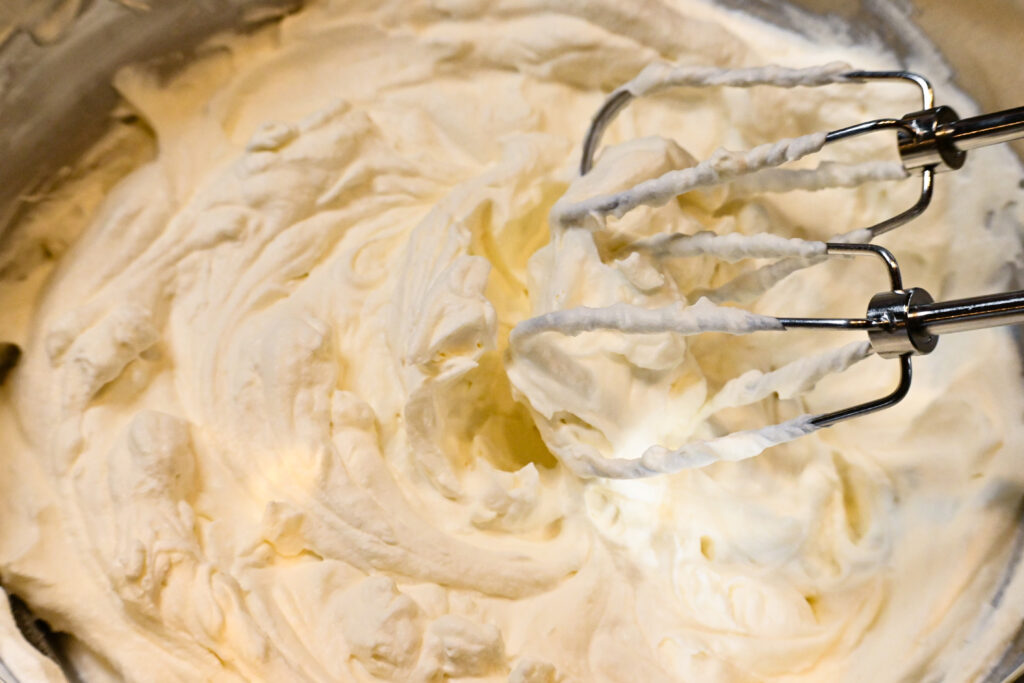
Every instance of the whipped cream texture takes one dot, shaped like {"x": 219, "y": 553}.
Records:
{"x": 315, "y": 391}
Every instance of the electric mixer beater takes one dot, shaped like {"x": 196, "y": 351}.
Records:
{"x": 900, "y": 322}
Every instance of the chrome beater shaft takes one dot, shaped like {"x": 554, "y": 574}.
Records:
{"x": 931, "y": 140}
{"x": 900, "y": 322}
{"x": 904, "y": 322}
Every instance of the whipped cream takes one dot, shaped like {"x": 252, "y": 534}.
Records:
{"x": 268, "y": 424}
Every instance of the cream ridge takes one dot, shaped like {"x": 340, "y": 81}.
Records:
{"x": 271, "y": 421}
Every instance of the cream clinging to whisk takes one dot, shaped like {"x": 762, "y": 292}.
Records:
{"x": 899, "y": 323}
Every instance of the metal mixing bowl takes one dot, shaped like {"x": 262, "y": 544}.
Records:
{"x": 57, "y": 58}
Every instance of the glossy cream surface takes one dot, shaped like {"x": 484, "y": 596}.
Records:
{"x": 268, "y": 424}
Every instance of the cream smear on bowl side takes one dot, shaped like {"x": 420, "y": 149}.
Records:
{"x": 268, "y": 426}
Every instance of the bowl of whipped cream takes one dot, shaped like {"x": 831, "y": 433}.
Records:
{"x": 260, "y": 418}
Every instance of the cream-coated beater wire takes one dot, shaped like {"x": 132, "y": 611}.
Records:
{"x": 754, "y": 170}
{"x": 931, "y": 139}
